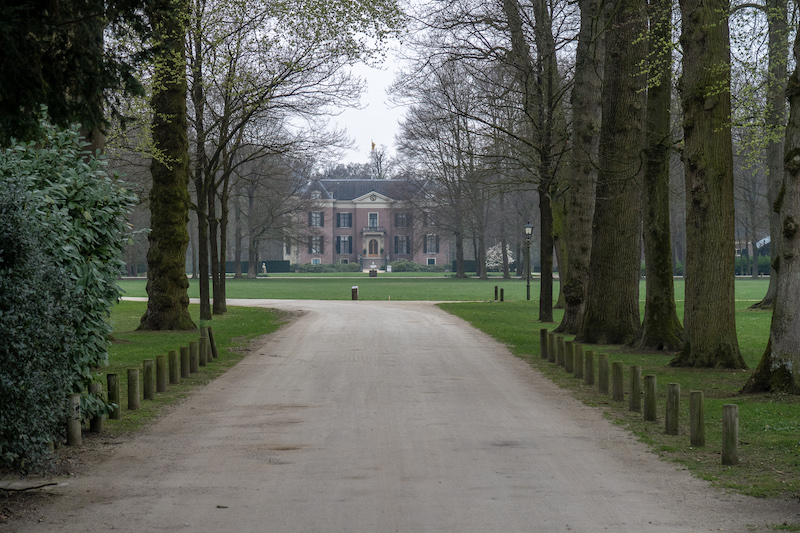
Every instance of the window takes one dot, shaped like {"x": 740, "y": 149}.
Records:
{"x": 401, "y": 220}
{"x": 316, "y": 219}
{"x": 430, "y": 244}
{"x": 316, "y": 244}
{"x": 344, "y": 220}
{"x": 373, "y": 220}
{"x": 373, "y": 247}
{"x": 344, "y": 245}
{"x": 316, "y": 261}
{"x": 288, "y": 248}
{"x": 345, "y": 261}
{"x": 431, "y": 260}
{"x": 401, "y": 244}
{"x": 315, "y": 195}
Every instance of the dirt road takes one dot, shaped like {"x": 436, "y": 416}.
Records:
{"x": 372, "y": 417}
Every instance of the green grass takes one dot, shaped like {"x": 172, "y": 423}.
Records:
{"x": 769, "y": 425}
{"x": 232, "y": 333}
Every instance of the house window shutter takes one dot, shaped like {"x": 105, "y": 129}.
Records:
{"x": 396, "y": 243}
{"x": 321, "y": 244}
{"x": 310, "y": 244}
{"x": 425, "y": 244}
{"x": 322, "y": 220}
{"x": 437, "y": 244}
{"x": 338, "y": 245}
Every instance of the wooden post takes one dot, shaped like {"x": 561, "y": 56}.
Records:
{"x": 543, "y": 343}
{"x": 133, "y": 389}
{"x": 577, "y": 365}
{"x": 617, "y": 388}
{"x": 185, "y": 363}
{"x": 650, "y": 408}
{"x": 174, "y": 367}
{"x": 560, "y": 350}
{"x": 635, "y": 398}
{"x": 203, "y": 351}
{"x": 96, "y": 423}
{"x": 74, "y": 420}
{"x": 161, "y": 373}
{"x": 212, "y": 343}
{"x": 672, "y": 413}
{"x": 730, "y": 434}
{"x": 602, "y": 373}
{"x": 502, "y": 295}
{"x": 569, "y": 356}
{"x": 588, "y": 374}
{"x": 551, "y": 347}
{"x": 495, "y": 293}
{"x": 697, "y": 419}
{"x": 113, "y": 396}
{"x": 194, "y": 357}
{"x": 148, "y": 379}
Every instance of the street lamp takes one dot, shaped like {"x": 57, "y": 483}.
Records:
{"x": 528, "y": 233}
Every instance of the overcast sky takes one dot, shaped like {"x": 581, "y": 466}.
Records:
{"x": 378, "y": 120}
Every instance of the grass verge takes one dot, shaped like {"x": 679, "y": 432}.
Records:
{"x": 769, "y": 424}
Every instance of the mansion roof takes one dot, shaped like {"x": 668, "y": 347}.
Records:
{"x": 352, "y": 189}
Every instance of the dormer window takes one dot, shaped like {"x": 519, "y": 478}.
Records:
{"x": 315, "y": 195}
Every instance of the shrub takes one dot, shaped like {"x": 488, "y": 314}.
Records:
{"x": 76, "y": 215}
{"x": 404, "y": 265}
{"x": 308, "y": 268}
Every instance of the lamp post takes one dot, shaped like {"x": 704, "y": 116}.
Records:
{"x": 528, "y": 233}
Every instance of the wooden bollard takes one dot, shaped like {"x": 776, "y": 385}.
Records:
{"x": 650, "y": 408}
{"x": 148, "y": 379}
{"x": 113, "y": 396}
{"x": 617, "y": 388}
{"x": 602, "y": 373}
{"x": 569, "y": 356}
{"x": 635, "y": 398}
{"x": 194, "y": 357}
{"x": 174, "y": 367}
{"x": 588, "y": 363}
{"x": 730, "y": 434}
{"x": 697, "y": 419}
{"x": 502, "y": 295}
{"x": 161, "y": 373}
{"x": 496, "y": 292}
{"x": 74, "y": 420}
{"x": 185, "y": 363}
{"x": 203, "y": 351}
{"x": 560, "y": 350}
{"x": 543, "y": 343}
{"x": 96, "y": 423}
{"x": 212, "y": 343}
{"x": 577, "y": 365}
{"x": 672, "y": 412}
{"x": 551, "y": 347}
{"x": 133, "y": 389}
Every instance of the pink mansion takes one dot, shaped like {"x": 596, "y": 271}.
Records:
{"x": 369, "y": 222}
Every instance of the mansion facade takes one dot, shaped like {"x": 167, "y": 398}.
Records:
{"x": 370, "y": 222}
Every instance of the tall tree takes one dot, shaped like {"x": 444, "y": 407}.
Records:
{"x": 661, "y": 328}
{"x": 779, "y": 369}
{"x": 167, "y": 286}
{"x": 709, "y": 313}
{"x": 612, "y": 310}
{"x": 582, "y": 178}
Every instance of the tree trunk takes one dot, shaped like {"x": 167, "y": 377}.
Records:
{"x": 709, "y": 311}
{"x": 779, "y": 369}
{"x": 224, "y": 197}
{"x": 167, "y": 286}
{"x": 778, "y": 29}
{"x": 237, "y": 235}
{"x": 560, "y": 221}
{"x": 612, "y": 310}
{"x": 459, "y": 237}
{"x": 546, "y": 250}
{"x": 661, "y": 329}
{"x": 213, "y": 247}
{"x": 587, "y": 112}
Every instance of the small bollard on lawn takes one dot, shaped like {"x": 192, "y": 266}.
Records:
{"x": 133, "y": 389}
{"x": 569, "y": 356}
{"x": 203, "y": 352}
{"x": 543, "y": 343}
{"x": 96, "y": 422}
{"x": 697, "y": 419}
{"x": 730, "y": 434}
{"x": 551, "y": 347}
{"x": 113, "y": 396}
{"x": 588, "y": 374}
{"x": 617, "y": 387}
{"x": 161, "y": 373}
{"x": 174, "y": 368}
{"x": 194, "y": 357}
{"x": 148, "y": 379}
{"x": 650, "y": 408}
{"x": 672, "y": 413}
{"x": 577, "y": 365}
{"x": 496, "y": 292}
{"x": 212, "y": 344}
{"x": 560, "y": 350}
{"x": 635, "y": 398}
{"x": 74, "y": 420}
{"x": 602, "y": 373}
{"x": 354, "y": 292}
{"x": 502, "y": 295}
{"x": 185, "y": 362}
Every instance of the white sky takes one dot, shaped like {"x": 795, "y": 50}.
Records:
{"x": 378, "y": 120}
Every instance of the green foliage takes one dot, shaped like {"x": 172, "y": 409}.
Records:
{"x": 404, "y": 265}
{"x": 35, "y": 313}
{"x": 78, "y": 215}
{"x": 744, "y": 262}
{"x": 308, "y": 268}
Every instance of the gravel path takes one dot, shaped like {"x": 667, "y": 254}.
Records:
{"x": 367, "y": 417}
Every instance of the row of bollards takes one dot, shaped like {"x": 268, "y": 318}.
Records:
{"x": 569, "y": 355}
{"x": 156, "y": 373}
{"x": 501, "y": 293}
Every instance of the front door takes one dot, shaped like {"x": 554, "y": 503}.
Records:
{"x": 373, "y": 248}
